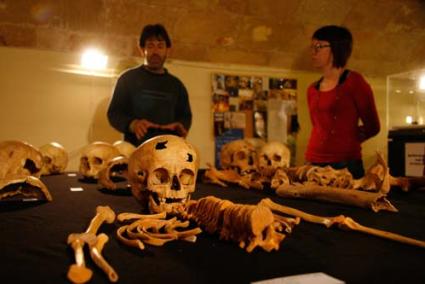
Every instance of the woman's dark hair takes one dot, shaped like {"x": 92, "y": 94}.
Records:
{"x": 154, "y": 31}
{"x": 341, "y": 42}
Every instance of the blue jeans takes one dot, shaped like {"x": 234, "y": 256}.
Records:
{"x": 355, "y": 167}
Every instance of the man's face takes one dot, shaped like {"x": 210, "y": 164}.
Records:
{"x": 155, "y": 52}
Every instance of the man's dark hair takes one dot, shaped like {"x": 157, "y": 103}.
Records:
{"x": 341, "y": 42}
{"x": 154, "y": 31}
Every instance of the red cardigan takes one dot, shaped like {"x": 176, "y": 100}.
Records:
{"x": 335, "y": 115}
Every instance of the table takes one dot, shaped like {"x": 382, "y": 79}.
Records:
{"x": 34, "y": 250}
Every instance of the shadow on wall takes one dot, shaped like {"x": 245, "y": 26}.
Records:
{"x": 100, "y": 129}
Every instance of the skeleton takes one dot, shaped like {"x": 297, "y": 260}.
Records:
{"x": 250, "y": 226}
{"x": 312, "y": 182}
{"x": 20, "y": 170}
{"x": 55, "y": 158}
{"x": 162, "y": 173}
{"x": 78, "y": 272}
{"x": 94, "y": 158}
{"x": 264, "y": 225}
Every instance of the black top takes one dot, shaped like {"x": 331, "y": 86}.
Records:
{"x": 141, "y": 94}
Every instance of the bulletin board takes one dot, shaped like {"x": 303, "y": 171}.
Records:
{"x": 247, "y": 106}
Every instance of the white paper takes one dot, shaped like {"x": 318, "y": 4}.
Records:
{"x": 310, "y": 278}
{"x": 76, "y": 189}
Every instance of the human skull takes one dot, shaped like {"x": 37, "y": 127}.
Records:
{"x": 273, "y": 156}
{"x": 94, "y": 158}
{"x": 55, "y": 158}
{"x": 23, "y": 187}
{"x": 240, "y": 156}
{"x": 162, "y": 173}
{"x": 114, "y": 173}
{"x": 19, "y": 158}
{"x": 125, "y": 148}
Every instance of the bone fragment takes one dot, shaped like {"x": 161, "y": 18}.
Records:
{"x": 78, "y": 272}
{"x": 327, "y": 221}
{"x": 129, "y": 242}
{"x": 349, "y": 223}
{"x": 342, "y": 221}
{"x": 103, "y": 214}
{"x": 106, "y": 174}
{"x": 96, "y": 247}
{"x": 373, "y": 200}
{"x": 129, "y": 216}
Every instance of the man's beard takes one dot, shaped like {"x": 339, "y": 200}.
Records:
{"x": 155, "y": 62}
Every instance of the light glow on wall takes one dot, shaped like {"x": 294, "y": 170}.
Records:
{"x": 409, "y": 119}
{"x": 94, "y": 59}
{"x": 422, "y": 83}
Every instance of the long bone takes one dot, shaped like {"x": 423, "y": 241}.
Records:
{"x": 96, "y": 247}
{"x": 103, "y": 214}
{"x": 374, "y": 200}
{"x": 342, "y": 221}
{"x": 78, "y": 272}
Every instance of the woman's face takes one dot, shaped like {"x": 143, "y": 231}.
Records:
{"x": 321, "y": 53}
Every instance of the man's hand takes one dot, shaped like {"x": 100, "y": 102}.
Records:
{"x": 140, "y": 127}
{"x": 177, "y": 127}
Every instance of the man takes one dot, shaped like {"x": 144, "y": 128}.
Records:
{"x": 147, "y": 100}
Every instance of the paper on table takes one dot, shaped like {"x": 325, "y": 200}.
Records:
{"x": 310, "y": 278}
{"x": 76, "y": 189}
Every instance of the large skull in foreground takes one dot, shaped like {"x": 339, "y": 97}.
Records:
{"x": 162, "y": 173}
{"x": 273, "y": 156}
{"x": 240, "y": 156}
{"x": 55, "y": 158}
{"x": 94, "y": 157}
{"x": 19, "y": 159}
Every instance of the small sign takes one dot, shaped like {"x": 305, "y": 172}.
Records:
{"x": 30, "y": 199}
{"x": 415, "y": 159}
{"x": 76, "y": 189}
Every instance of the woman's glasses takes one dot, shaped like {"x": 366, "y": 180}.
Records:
{"x": 317, "y": 47}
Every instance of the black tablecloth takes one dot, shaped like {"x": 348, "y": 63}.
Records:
{"x": 34, "y": 250}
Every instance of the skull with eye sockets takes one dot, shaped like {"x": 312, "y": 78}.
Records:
{"x": 94, "y": 158}
{"x": 162, "y": 173}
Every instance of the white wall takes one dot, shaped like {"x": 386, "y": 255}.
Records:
{"x": 40, "y": 103}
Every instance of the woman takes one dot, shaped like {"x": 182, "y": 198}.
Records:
{"x": 341, "y": 104}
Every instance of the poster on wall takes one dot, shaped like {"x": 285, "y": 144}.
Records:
{"x": 253, "y": 107}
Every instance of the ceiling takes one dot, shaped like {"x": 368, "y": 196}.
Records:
{"x": 389, "y": 35}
